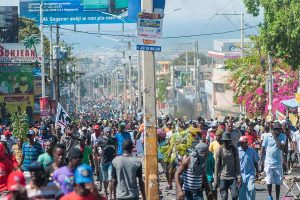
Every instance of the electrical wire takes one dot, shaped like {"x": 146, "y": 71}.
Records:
{"x": 168, "y": 37}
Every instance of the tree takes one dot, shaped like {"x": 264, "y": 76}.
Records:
{"x": 31, "y": 42}
{"x": 280, "y": 31}
{"x": 19, "y": 125}
{"x": 181, "y": 60}
{"x": 162, "y": 90}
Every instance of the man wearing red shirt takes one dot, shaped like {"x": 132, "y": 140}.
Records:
{"x": 6, "y": 167}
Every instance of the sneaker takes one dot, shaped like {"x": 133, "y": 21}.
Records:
{"x": 270, "y": 198}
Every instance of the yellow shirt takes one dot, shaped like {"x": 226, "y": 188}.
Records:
{"x": 17, "y": 152}
{"x": 214, "y": 147}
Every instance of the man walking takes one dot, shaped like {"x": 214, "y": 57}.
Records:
{"x": 125, "y": 170}
{"x": 193, "y": 173}
{"x": 249, "y": 168}
{"x": 227, "y": 168}
{"x": 273, "y": 145}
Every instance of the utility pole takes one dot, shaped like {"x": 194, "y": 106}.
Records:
{"x": 42, "y": 50}
{"x": 57, "y": 64}
{"x": 151, "y": 163}
{"x": 139, "y": 66}
{"x": 242, "y": 34}
{"x": 117, "y": 86}
{"x": 125, "y": 84}
{"x": 51, "y": 64}
{"x": 130, "y": 77}
{"x": 196, "y": 71}
{"x": 270, "y": 86}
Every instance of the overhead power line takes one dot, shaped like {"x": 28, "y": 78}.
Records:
{"x": 167, "y": 37}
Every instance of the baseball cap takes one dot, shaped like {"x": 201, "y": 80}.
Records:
{"x": 15, "y": 179}
{"x": 75, "y": 153}
{"x": 43, "y": 128}
{"x": 96, "y": 127}
{"x": 84, "y": 128}
{"x": 243, "y": 139}
{"x": 30, "y": 132}
{"x": 7, "y": 132}
{"x": 83, "y": 174}
{"x": 122, "y": 125}
{"x": 107, "y": 129}
{"x": 36, "y": 166}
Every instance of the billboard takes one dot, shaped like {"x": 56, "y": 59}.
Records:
{"x": 10, "y": 104}
{"x": 16, "y": 80}
{"x": 77, "y": 11}
{"x": 9, "y": 24}
{"x": 18, "y": 53}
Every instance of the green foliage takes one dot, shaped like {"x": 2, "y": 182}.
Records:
{"x": 19, "y": 125}
{"x": 280, "y": 31}
{"x": 27, "y": 29}
{"x": 162, "y": 90}
{"x": 181, "y": 60}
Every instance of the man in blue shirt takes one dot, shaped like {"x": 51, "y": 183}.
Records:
{"x": 121, "y": 136}
{"x": 249, "y": 167}
{"x": 30, "y": 151}
{"x": 272, "y": 146}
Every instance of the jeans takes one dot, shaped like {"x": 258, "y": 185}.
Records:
{"x": 193, "y": 194}
{"x": 247, "y": 190}
{"x": 106, "y": 169}
{"x": 225, "y": 185}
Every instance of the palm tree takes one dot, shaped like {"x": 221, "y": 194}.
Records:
{"x": 31, "y": 42}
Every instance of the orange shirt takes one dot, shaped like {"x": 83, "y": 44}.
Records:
{"x": 75, "y": 196}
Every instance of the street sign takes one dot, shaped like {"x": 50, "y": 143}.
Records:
{"x": 149, "y": 31}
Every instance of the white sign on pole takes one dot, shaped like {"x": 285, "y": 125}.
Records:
{"x": 18, "y": 53}
{"x": 62, "y": 117}
{"x": 149, "y": 31}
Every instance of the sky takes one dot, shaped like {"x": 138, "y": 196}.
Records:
{"x": 194, "y": 17}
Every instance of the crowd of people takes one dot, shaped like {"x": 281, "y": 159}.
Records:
{"x": 94, "y": 156}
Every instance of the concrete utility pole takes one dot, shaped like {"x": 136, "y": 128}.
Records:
{"x": 151, "y": 163}
{"x": 51, "y": 64}
{"x": 130, "y": 77}
{"x": 57, "y": 64}
{"x": 242, "y": 34}
{"x": 270, "y": 86}
{"x": 139, "y": 66}
{"x": 42, "y": 50}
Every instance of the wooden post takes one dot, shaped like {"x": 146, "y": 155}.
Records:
{"x": 151, "y": 163}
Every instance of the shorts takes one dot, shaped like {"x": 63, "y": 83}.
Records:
{"x": 274, "y": 174}
{"x": 106, "y": 169}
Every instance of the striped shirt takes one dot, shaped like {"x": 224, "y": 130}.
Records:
{"x": 30, "y": 154}
{"x": 191, "y": 181}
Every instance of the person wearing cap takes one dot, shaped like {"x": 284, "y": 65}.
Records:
{"x": 121, "y": 136}
{"x": 126, "y": 169}
{"x": 227, "y": 168}
{"x": 58, "y": 133}
{"x": 86, "y": 150}
{"x": 7, "y": 137}
{"x": 215, "y": 145}
{"x": 95, "y": 137}
{"x": 16, "y": 187}
{"x": 211, "y": 133}
{"x": 249, "y": 169}
{"x": 64, "y": 176}
{"x": 251, "y": 135}
{"x": 193, "y": 171}
{"x": 85, "y": 132}
{"x": 39, "y": 187}
{"x": 31, "y": 151}
{"x": 84, "y": 188}
{"x": 272, "y": 147}
{"x": 69, "y": 139}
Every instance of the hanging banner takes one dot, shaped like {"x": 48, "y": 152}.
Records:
{"x": 62, "y": 117}
{"x": 44, "y": 106}
{"x": 149, "y": 31}
{"x": 76, "y": 11}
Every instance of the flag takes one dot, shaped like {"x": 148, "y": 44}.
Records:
{"x": 280, "y": 116}
{"x": 62, "y": 117}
